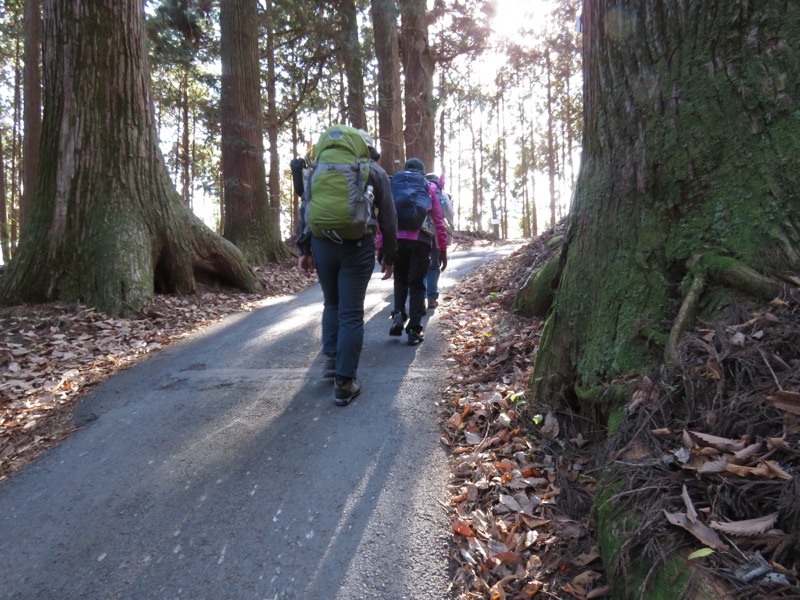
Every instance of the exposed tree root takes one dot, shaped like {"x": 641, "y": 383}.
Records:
{"x": 727, "y": 271}
{"x": 685, "y": 318}
{"x": 737, "y": 275}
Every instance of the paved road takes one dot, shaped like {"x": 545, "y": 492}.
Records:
{"x": 221, "y": 469}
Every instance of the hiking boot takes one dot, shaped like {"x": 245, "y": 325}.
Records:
{"x": 398, "y": 322}
{"x": 347, "y": 388}
{"x": 433, "y": 303}
{"x": 415, "y": 337}
{"x": 329, "y": 367}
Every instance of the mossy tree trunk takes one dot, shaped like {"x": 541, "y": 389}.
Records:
{"x": 688, "y": 186}
{"x": 107, "y": 227}
{"x": 252, "y": 208}
{"x": 686, "y": 203}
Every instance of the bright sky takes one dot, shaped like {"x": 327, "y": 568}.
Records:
{"x": 512, "y": 15}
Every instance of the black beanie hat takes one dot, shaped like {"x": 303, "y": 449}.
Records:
{"x": 414, "y": 164}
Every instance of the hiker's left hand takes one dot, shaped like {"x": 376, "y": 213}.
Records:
{"x": 387, "y": 271}
{"x": 442, "y": 260}
{"x": 305, "y": 264}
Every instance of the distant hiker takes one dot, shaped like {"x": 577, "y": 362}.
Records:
{"x": 415, "y": 200}
{"x": 347, "y": 197}
{"x": 434, "y": 270}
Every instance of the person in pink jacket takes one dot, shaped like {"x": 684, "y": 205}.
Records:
{"x": 412, "y": 262}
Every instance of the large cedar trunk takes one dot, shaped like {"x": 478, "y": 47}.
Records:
{"x": 390, "y": 113}
{"x": 685, "y": 206}
{"x": 251, "y": 208}
{"x": 107, "y": 227}
{"x": 418, "y": 67}
{"x": 688, "y": 184}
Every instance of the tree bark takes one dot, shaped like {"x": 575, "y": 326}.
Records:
{"x": 185, "y": 153}
{"x": 350, "y": 53}
{"x": 551, "y": 144}
{"x": 5, "y": 233}
{"x": 250, "y": 214}
{"x": 273, "y": 129}
{"x": 691, "y": 166}
{"x": 32, "y": 94}
{"x": 107, "y": 227}
{"x": 390, "y": 113}
{"x": 418, "y": 66}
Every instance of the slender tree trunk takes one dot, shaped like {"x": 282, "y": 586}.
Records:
{"x": 252, "y": 208}
{"x": 442, "y": 120}
{"x": 5, "y": 238}
{"x": 503, "y": 171}
{"x": 495, "y": 190}
{"x": 350, "y": 53}
{"x": 278, "y": 250}
{"x": 533, "y": 164}
{"x": 107, "y": 227}
{"x": 476, "y": 214}
{"x": 418, "y": 66}
{"x": 551, "y": 145}
{"x": 294, "y": 199}
{"x": 523, "y": 170}
{"x": 33, "y": 104}
{"x": 390, "y": 108}
{"x": 17, "y": 160}
{"x": 185, "y": 154}
{"x": 481, "y": 179}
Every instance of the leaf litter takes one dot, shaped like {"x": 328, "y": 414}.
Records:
{"x": 51, "y": 354}
{"x": 520, "y": 492}
{"x": 707, "y": 458}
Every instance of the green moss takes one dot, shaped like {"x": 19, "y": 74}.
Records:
{"x": 669, "y": 582}
{"x": 651, "y": 334}
{"x": 613, "y": 528}
{"x": 536, "y": 298}
{"x": 615, "y": 524}
{"x": 589, "y": 394}
{"x": 615, "y": 419}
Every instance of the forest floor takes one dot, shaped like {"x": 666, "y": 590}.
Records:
{"x": 709, "y": 454}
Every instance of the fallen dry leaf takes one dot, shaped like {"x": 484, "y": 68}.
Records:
{"x": 786, "y": 401}
{"x": 766, "y": 468}
{"x": 705, "y": 534}
{"x": 747, "y": 527}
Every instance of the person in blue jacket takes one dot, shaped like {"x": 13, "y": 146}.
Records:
{"x": 411, "y": 265}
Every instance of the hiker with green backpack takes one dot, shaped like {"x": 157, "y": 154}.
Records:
{"x": 346, "y": 199}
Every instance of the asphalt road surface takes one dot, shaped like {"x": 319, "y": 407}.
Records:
{"x": 221, "y": 469}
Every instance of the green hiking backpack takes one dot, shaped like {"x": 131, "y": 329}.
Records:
{"x": 338, "y": 202}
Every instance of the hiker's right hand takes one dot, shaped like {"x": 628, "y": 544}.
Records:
{"x": 442, "y": 260}
{"x": 387, "y": 270}
{"x": 305, "y": 264}
{"x": 380, "y": 257}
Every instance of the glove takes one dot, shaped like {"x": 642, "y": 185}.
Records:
{"x": 442, "y": 260}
